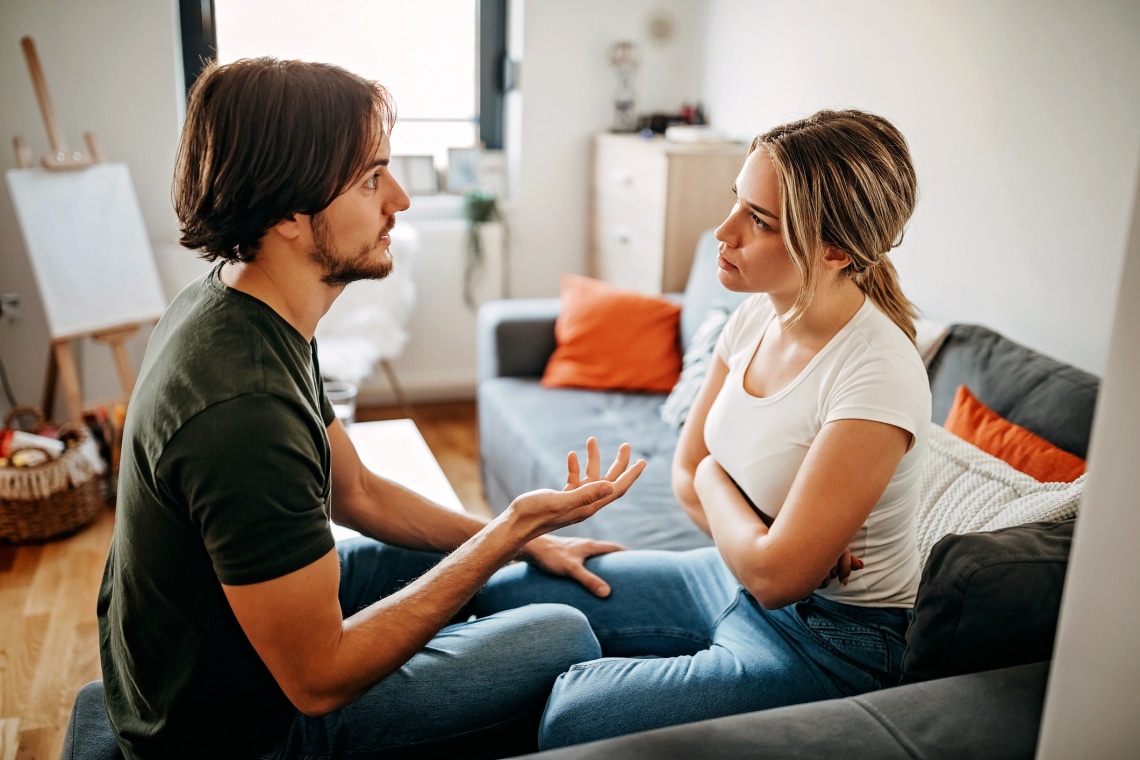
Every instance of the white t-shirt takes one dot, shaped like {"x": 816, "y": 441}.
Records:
{"x": 870, "y": 370}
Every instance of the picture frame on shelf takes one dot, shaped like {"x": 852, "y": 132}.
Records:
{"x": 416, "y": 174}
{"x": 462, "y": 169}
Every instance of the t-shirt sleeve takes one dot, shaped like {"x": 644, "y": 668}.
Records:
{"x": 737, "y": 324}
{"x": 328, "y": 414}
{"x": 253, "y": 475}
{"x": 884, "y": 387}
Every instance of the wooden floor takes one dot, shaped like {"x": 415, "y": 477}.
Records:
{"x": 48, "y": 632}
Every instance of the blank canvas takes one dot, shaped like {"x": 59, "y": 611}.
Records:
{"x": 84, "y": 233}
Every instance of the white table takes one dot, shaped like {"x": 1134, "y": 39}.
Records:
{"x": 396, "y": 450}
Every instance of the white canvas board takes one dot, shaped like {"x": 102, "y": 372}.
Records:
{"x": 89, "y": 249}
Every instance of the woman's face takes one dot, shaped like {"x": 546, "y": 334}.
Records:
{"x": 753, "y": 257}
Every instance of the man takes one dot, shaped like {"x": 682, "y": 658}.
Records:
{"x": 231, "y": 625}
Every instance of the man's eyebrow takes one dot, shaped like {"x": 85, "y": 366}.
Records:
{"x": 758, "y": 209}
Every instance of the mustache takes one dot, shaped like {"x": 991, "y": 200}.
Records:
{"x": 388, "y": 227}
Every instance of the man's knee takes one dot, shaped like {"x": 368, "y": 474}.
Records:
{"x": 561, "y": 628}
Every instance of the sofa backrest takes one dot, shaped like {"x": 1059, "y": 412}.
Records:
{"x": 703, "y": 290}
{"x": 1048, "y": 397}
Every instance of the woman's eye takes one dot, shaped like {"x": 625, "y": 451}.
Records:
{"x": 760, "y": 222}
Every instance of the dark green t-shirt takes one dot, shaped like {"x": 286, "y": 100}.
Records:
{"x": 224, "y": 478}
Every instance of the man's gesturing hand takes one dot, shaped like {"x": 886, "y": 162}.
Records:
{"x": 540, "y": 512}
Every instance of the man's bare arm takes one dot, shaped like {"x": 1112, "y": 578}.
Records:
{"x": 322, "y": 661}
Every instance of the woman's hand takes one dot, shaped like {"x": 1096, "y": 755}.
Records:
{"x": 843, "y": 567}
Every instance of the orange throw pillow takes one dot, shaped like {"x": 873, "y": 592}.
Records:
{"x": 976, "y": 423}
{"x": 612, "y": 339}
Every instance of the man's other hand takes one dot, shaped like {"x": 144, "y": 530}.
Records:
{"x": 566, "y": 555}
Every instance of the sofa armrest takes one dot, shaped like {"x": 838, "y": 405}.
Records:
{"x": 515, "y": 337}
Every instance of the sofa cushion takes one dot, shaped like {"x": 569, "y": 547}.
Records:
{"x": 976, "y": 423}
{"x": 613, "y": 339}
{"x": 526, "y": 430}
{"x": 964, "y": 489}
{"x": 694, "y": 366}
{"x": 1047, "y": 397}
{"x": 995, "y": 715}
{"x": 988, "y": 600}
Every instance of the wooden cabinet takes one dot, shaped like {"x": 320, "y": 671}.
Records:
{"x": 651, "y": 201}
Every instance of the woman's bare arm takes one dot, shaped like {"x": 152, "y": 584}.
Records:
{"x": 691, "y": 448}
{"x": 843, "y": 476}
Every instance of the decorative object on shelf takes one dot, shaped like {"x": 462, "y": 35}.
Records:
{"x": 462, "y": 169}
{"x": 416, "y": 174}
{"x": 624, "y": 59}
{"x": 480, "y": 207}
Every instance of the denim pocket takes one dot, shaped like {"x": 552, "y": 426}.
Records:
{"x": 862, "y": 648}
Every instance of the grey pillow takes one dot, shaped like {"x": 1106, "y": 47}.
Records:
{"x": 988, "y": 600}
{"x": 694, "y": 367}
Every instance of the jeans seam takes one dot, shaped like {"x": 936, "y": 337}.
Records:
{"x": 674, "y": 633}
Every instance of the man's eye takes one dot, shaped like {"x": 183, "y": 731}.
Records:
{"x": 371, "y": 182}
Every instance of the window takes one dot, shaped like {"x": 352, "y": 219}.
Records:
{"x": 441, "y": 59}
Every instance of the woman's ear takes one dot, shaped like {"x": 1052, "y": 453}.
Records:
{"x": 835, "y": 259}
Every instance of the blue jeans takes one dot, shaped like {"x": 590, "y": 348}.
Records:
{"x": 683, "y": 641}
{"x": 476, "y": 690}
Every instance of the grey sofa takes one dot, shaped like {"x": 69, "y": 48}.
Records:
{"x": 978, "y": 653}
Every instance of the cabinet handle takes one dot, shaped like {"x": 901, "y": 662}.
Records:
{"x": 622, "y": 178}
{"x": 620, "y": 235}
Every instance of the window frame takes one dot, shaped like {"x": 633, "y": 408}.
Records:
{"x": 200, "y": 45}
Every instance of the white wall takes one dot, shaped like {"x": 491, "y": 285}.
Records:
{"x": 1022, "y": 116}
{"x": 111, "y": 66}
{"x": 566, "y": 96}
{"x": 1090, "y": 706}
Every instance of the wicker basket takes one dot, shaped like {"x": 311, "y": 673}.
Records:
{"x": 50, "y": 500}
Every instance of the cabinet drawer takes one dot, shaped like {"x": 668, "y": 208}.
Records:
{"x": 628, "y": 254}
{"x": 630, "y": 173}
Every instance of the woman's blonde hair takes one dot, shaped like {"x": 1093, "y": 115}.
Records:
{"x": 846, "y": 181}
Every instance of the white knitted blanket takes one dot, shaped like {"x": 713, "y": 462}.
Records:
{"x": 966, "y": 490}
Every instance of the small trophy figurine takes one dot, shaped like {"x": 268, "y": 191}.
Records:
{"x": 623, "y": 57}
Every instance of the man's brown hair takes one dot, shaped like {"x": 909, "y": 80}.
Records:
{"x": 265, "y": 139}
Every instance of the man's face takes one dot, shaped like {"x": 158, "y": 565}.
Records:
{"x": 350, "y": 237}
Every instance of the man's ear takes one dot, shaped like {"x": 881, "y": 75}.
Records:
{"x": 835, "y": 258}
{"x": 292, "y": 227}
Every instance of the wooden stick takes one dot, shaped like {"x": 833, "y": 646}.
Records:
{"x": 23, "y": 152}
{"x": 115, "y": 338}
{"x": 62, "y": 157}
{"x": 69, "y": 375}
{"x": 50, "y": 381}
{"x": 94, "y": 147}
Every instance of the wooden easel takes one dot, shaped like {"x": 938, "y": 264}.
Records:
{"x": 62, "y": 367}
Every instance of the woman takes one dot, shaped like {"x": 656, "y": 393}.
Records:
{"x": 801, "y": 457}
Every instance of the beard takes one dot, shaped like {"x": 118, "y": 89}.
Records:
{"x": 340, "y": 268}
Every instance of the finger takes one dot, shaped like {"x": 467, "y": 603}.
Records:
{"x": 573, "y": 471}
{"x": 594, "y": 548}
{"x": 628, "y": 477}
{"x": 592, "y": 491}
{"x": 844, "y": 567}
{"x": 857, "y": 563}
{"x": 621, "y": 461}
{"x": 593, "y": 459}
{"x": 591, "y": 582}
